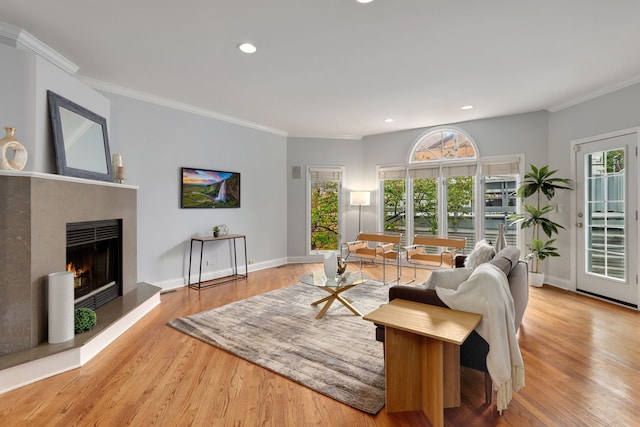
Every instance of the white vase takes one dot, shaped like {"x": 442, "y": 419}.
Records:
{"x": 330, "y": 265}
{"x": 13, "y": 155}
{"x": 61, "y": 307}
{"x": 536, "y": 279}
{"x": 501, "y": 241}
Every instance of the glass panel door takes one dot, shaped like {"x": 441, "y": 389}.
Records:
{"x": 394, "y": 191}
{"x": 606, "y": 219}
{"x": 325, "y": 189}
{"x": 460, "y": 212}
{"x": 500, "y": 202}
{"x": 605, "y": 213}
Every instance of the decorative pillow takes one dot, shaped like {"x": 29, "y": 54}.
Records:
{"x": 481, "y": 253}
{"x": 506, "y": 259}
{"x": 450, "y": 278}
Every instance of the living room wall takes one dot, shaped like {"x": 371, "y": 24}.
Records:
{"x": 517, "y": 134}
{"x": 611, "y": 112}
{"x": 305, "y": 152}
{"x": 522, "y": 133}
{"x": 155, "y": 142}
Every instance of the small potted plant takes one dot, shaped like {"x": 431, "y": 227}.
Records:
{"x": 84, "y": 319}
{"x": 539, "y": 182}
{"x": 216, "y": 231}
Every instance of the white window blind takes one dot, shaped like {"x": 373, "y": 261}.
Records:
{"x": 463, "y": 169}
{"x": 506, "y": 166}
{"x": 392, "y": 173}
{"x": 432, "y": 172}
{"x": 325, "y": 174}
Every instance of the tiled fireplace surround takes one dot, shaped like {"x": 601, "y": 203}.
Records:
{"x": 35, "y": 210}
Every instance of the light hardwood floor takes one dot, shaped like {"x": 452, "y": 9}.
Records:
{"x": 582, "y": 361}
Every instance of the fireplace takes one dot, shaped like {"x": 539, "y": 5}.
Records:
{"x": 94, "y": 255}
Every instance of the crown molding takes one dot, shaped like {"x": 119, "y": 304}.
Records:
{"x": 153, "y": 99}
{"x": 322, "y": 136}
{"x": 595, "y": 94}
{"x": 19, "y": 38}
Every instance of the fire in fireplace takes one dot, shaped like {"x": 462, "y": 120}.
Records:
{"x": 94, "y": 256}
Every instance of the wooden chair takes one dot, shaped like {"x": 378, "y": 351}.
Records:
{"x": 375, "y": 246}
{"x": 447, "y": 249}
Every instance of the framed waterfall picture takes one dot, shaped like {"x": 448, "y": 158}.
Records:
{"x": 205, "y": 188}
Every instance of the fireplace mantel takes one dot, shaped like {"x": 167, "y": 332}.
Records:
{"x": 35, "y": 210}
{"x": 64, "y": 178}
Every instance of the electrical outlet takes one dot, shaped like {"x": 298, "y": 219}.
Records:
{"x": 252, "y": 261}
{"x": 210, "y": 262}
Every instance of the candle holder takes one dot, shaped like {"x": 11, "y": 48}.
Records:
{"x": 117, "y": 168}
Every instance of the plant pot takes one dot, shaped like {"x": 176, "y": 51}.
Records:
{"x": 216, "y": 233}
{"x": 536, "y": 279}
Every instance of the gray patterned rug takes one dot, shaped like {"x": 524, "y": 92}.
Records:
{"x": 337, "y": 355}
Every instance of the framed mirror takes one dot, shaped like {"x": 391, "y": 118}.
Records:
{"x": 80, "y": 139}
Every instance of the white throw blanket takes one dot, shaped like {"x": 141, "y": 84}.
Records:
{"x": 486, "y": 292}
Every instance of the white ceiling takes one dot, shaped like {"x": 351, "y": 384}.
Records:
{"x": 337, "y": 68}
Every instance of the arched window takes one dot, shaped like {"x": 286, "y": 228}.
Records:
{"x": 444, "y": 144}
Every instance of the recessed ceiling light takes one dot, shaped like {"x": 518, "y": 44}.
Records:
{"x": 467, "y": 107}
{"x": 247, "y": 48}
{"x": 388, "y": 120}
{"x": 364, "y": 1}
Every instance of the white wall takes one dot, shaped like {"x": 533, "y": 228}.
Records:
{"x": 156, "y": 142}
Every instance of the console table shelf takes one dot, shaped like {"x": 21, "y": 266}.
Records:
{"x": 234, "y": 276}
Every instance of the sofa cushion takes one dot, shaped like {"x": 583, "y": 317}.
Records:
{"x": 415, "y": 293}
{"x": 506, "y": 259}
{"x": 450, "y": 278}
{"x": 482, "y": 252}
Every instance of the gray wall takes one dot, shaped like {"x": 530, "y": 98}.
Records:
{"x": 608, "y": 113}
{"x": 17, "y": 70}
{"x": 26, "y": 77}
{"x": 156, "y": 142}
{"x": 305, "y": 152}
{"x": 518, "y": 134}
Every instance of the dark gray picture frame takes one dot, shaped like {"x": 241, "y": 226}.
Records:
{"x": 81, "y": 140}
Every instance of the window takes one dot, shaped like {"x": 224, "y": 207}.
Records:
{"x": 325, "y": 189}
{"x": 393, "y": 186}
{"x": 441, "y": 190}
{"x": 500, "y": 178}
{"x": 441, "y": 145}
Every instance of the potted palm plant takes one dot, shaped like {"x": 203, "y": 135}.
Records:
{"x": 541, "y": 183}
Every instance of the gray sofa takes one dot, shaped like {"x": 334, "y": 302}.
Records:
{"x": 473, "y": 352}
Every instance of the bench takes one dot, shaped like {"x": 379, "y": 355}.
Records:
{"x": 374, "y": 246}
{"x": 446, "y": 249}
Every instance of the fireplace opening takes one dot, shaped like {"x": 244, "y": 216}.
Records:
{"x": 94, "y": 255}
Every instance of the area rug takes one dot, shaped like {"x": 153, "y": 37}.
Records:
{"x": 337, "y": 355}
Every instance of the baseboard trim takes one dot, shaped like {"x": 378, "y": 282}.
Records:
{"x": 181, "y": 282}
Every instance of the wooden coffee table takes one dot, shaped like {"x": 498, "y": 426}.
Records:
{"x": 334, "y": 288}
{"x": 422, "y": 355}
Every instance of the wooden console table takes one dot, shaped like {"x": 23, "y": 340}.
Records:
{"x": 422, "y": 355}
{"x": 234, "y": 276}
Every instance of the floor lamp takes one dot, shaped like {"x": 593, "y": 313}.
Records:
{"x": 360, "y": 199}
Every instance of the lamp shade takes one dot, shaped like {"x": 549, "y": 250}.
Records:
{"x": 360, "y": 198}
